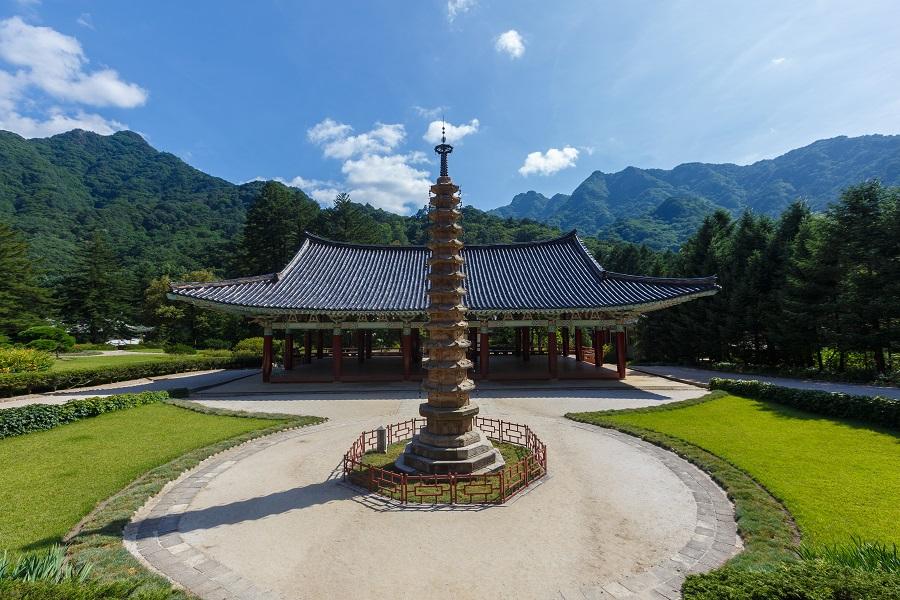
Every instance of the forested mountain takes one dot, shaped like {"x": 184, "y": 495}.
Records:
{"x": 662, "y": 207}
{"x": 160, "y": 216}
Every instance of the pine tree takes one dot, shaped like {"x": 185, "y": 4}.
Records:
{"x": 346, "y": 222}
{"x": 93, "y": 292}
{"x": 274, "y": 228}
{"x": 22, "y": 300}
{"x": 856, "y": 231}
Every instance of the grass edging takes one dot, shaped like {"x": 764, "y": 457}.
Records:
{"x": 767, "y": 529}
{"x": 97, "y": 539}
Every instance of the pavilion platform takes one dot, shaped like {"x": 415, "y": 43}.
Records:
{"x": 388, "y": 367}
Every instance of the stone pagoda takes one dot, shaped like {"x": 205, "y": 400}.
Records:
{"x": 450, "y": 442}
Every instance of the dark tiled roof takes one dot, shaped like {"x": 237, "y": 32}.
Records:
{"x": 556, "y": 274}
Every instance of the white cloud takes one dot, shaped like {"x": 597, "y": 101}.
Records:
{"x": 458, "y": 7}
{"x": 779, "y": 60}
{"x": 336, "y": 141}
{"x": 454, "y": 132}
{"x": 57, "y": 122}
{"x": 373, "y": 171}
{"x": 549, "y": 162}
{"x": 85, "y": 20}
{"x": 322, "y": 192}
{"x": 54, "y": 65}
{"x": 389, "y": 182}
{"x": 429, "y": 113}
{"x": 510, "y": 43}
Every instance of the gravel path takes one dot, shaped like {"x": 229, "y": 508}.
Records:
{"x": 616, "y": 517}
{"x": 702, "y": 377}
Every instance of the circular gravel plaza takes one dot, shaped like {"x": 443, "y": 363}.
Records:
{"x": 614, "y": 518}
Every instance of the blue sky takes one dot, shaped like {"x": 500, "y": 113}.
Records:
{"x": 339, "y": 95}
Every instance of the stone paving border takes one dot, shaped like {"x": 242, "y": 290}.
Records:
{"x": 715, "y": 538}
{"x": 152, "y": 535}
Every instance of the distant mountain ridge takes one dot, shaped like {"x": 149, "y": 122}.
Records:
{"x": 661, "y": 207}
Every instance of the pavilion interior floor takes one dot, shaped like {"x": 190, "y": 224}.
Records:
{"x": 389, "y": 367}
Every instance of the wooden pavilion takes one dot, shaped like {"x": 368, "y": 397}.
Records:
{"x": 549, "y": 299}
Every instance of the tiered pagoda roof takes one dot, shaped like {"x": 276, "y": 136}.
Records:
{"x": 552, "y": 276}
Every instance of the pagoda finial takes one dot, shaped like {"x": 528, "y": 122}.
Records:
{"x": 443, "y": 149}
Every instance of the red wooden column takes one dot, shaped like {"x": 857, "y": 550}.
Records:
{"x": 620, "y": 353}
{"x": 406, "y": 351}
{"x": 565, "y": 341}
{"x": 307, "y": 347}
{"x": 368, "y": 338}
{"x": 526, "y": 344}
{"x": 551, "y": 352}
{"x": 473, "y": 343}
{"x": 417, "y": 344}
{"x": 320, "y": 348}
{"x": 598, "y": 348}
{"x": 485, "y": 353}
{"x": 288, "y": 350}
{"x": 336, "y": 351}
{"x": 579, "y": 345}
{"x": 517, "y": 345}
{"x": 267, "y": 355}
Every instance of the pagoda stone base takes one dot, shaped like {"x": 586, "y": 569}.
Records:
{"x": 429, "y": 454}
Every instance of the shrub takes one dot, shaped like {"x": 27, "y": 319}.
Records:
{"x": 216, "y": 344}
{"x": 179, "y": 349}
{"x": 253, "y": 347}
{"x": 40, "y": 417}
{"x": 48, "y": 338}
{"x": 97, "y": 347}
{"x": 217, "y": 353}
{"x": 23, "y": 360}
{"x": 45, "y": 345}
{"x": 805, "y": 580}
{"x": 873, "y": 409}
{"x": 15, "y": 384}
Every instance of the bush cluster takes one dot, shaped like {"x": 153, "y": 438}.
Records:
{"x": 253, "y": 347}
{"x": 40, "y": 417}
{"x": 804, "y": 580}
{"x": 179, "y": 349}
{"x": 15, "y": 384}
{"x": 872, "y": 409}
{"x": 23, "y": 360}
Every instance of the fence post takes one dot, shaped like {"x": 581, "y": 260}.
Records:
{"x": 501, "y": 431}
{"x": 381, "y": 440}
{"x": 502, "y": 488}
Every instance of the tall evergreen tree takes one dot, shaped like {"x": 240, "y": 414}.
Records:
{"x": 274, "y": 228}
{"x": 856, "y": 231}
{"x": 23, "y": 302}
{"x": 93, "y": 291}
{"x": 346, "y": 221}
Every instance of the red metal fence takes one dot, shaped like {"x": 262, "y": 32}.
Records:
{"x": 489, "y": 488}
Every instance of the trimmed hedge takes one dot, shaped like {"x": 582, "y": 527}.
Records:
{"x": 807, "y": 580}
{"x": 17, "y": 384}
{"x": 877, "y": 410}
{"x": 40, "y": 417}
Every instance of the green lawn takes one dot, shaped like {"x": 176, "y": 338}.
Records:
{"x": 89, "y": 362}
{"x": 49, "y": 480}
{"x": 837, "y": 478}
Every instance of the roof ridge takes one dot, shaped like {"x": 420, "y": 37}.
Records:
{"x": 568, "y": 236}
